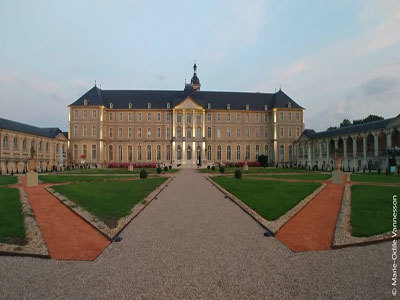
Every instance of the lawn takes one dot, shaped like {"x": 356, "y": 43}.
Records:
{"x": 373, "y": 177}
{"x": 12, "y": 228}
{"x": 270, "y": 199}
{"x": 112, "y": 201}
{"x": 4, "y": 180}
{"x": 258, "y": 170}
{"x": 66, "y": 178}
{"x": 116, "y": 171}
{"x": 312, "y": 176}
{"x": 372, "y": 209}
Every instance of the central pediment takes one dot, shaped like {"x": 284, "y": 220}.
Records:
{"x": 188, "y": 103}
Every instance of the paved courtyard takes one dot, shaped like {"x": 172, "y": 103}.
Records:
{"x": 191, "y": 242}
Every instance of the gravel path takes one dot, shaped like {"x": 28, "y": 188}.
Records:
{"x": 191, "y": 243}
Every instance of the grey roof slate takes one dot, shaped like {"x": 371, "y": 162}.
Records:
{"x": 159, "y": 99}
{"x": 29, "y": 129}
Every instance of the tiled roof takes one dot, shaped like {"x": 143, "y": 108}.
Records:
{"x": 29, "y": 129}
{"x": 159, "y": 99}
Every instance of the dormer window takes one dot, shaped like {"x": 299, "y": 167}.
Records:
{"x": 228, "y": 106}
{"x": 289, "y": 105}
{"x": 130, "y": 105}
{"x": 247, "y": 107}
{"x": 85, "y": 101}
{"x": 168, "y": 105}
{"x": 111, "y": 105}
{"x": 149, "y": 105}
{"x": 265, "y": 107}
{"x": 209, "y": 105}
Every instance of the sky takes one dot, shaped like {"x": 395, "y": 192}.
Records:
{"x": 337, "y": 59}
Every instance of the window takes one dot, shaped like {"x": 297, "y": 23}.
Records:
{"x": 129, "y": 132}
{"x": 130, "y": 153}
{"x": 168, "y": 117}
{"x": 179, "y": 132}
{"x": 238, "y": 152}
{"x": 75, "y": 152}
{"x": 247, "y": 107}
{"x": 94, "y": 153}
{"x": 281, "y": 152}
{"x": 139, "y": 153}
{"x": 120, "y": 153}
{"x": 57, "y": 148}
{"x": 111, "y": 105}
{"x": 148, "y": 116}
{"x": 85, "y": 114}
{"x": 84, "y": 130}
{"x": 228, "y": 118}
{"x": 179, "y": 153}
{"x": 219, "y": 117}
{"x": 189, "y": 119}
{"x": 168, "y": 132}
{"x": 168, "y": 152}
{"x": 228, "y": 152}
{"x": 209, "y": 105}
{"x": 209, "y": 132}
{"x": 228, "y": 132}
{"x": 289, "y": 105}
{"x": 158, "y": 132}
{"x": 24, "y": 144}
{"x": 198, "y": 132}
{"x": 219, "y": 152}
{"x": 247, "y": 132}
{"x": 297, "y": 131}
{"x": 139, "y": 132}
{"x": 248, "y": 152}
{"x": 129, "y": 116}
{"x": 94, "y": 130}
{"x": 148, "y": 152}
{"x": 265, "y": 118}
{"x": 168, "y": 105}
{"x": 111, "y": 132}
{"x": 120, "y": 132}
{"x": 158, "y": 152}
{"x": 148, "y": 132}
{"x": 266, "y": 150}
{"x": 290, "y": 152}
{"x": 257, "y": 132}
{"x": 257, "y": 151}
{"x": 179, "y": 118}
{"x": 266, "y": 132}
{"x": 130, "y": 105}
{"x": 111, "y": 116}
{"x": 40, "y": 146}
{"x": 189, "y": 153}
{"x": 140, "y": 116}
{"x": 149, "y": 105}
{"x": 76, "y": 114}
{"x": 198, "y": 119}
{"x": 237, "y": 117}
{"x": 298, "y": 116}
{"x": 218, "y": 133}
{"x": 265, "y": 107}
{"x": 281, "y": 115}
{"x": 290, "y": 132}
{"x": 257, "y": 118}
{"x": 94, "y": 114}
{"x": 209, "y": 153}
{"x": 84, "y": 151}
{"x": 15, "y": 144}
{"x": 75, "y": 130}
{"x": 189, "y": 133}
{"x": 209, "y": 117}
{"x": 247, "y": 118}
{"x": 121, "y": 117}
{"x": 281, "y": 131}
{"x": 290, "y": 116}
{"x": 238, "y": 132}
{"x": 47, "y": 147}
{"x": 158, "y": 116}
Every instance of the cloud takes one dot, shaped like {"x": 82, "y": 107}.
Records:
{"x": 379, "y": 85}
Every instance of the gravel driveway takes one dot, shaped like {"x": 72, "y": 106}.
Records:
{"x": 193, "y": 243}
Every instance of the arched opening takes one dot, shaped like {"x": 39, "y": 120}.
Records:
{"x": 168, "y": 153}
{"x": 120, "y": 153}
{"x": 198, "y": 155}
{"x": 360, "y": 146}
{"x": 209, "y": 153}
{"x": 395, "y": 138}
{"x": 179, "y": 153}
{"x": 382, "y": 144}
{"x": 189, "y": 153}
{"x": 130, "y": 153}
{"x": 290, "y": 153}
{"x": 349, "y": 147}
{"x": 228, "y": 152}
{"x": 341, "y": 147}
{"x": 148, "y": 152}
{"x": 331, "y": 148}
{"x": 158, "y": 152}
{"x": 219, "y": 152}
{"x": 110, "y": 153}
{"x": 370, "y": 145}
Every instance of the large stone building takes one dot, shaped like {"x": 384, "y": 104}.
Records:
{"x": 16, "y": 140}
{"x": 363, "y": 145}
{"x": 182, "y": 127}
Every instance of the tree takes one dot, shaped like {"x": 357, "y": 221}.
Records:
{"x": 370, "y": 118}
{"x": 332, "y": 127}
{"x": 345, "y": 123}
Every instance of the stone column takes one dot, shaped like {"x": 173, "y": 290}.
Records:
{"x": 327, "y": 151}
{"x": 354, "y": 146}
{"x": 345, "y": 148}
{"x": 304, "y": 153}
{"x": 204, "y": 124}
{"x": 320, "y": 151}
{"x": 364, "y": 147}
{"x": 183, "y": 123}
{"x": 375, "y": 134}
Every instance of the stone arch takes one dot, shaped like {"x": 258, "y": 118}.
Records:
{"x": 395, "y": 136}
{"x": 43, "y": 165}
{"x": 20, "y": 167}
{"x": 332, "y": 148}
{"x": 382, "y": 144}
{"x": 349, "y": 146}
{"x": 11, "y": 167}
{"x": 370, "y": 145}
{"x": 360, "y": 146}
{"x": 189, "y": 153}
{"x": 340, "y": 144}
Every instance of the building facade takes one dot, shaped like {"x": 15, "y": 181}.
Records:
{"x": 363, "y": 145}
{"x": 16, "y": 139}
{"x": 186, "y": 127}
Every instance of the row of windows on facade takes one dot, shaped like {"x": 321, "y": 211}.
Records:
{"x": 25, "y": 147}
{"x": 188, "y": 117}
{"x": 179, "y": 152}
{"x": 189, "y": 132}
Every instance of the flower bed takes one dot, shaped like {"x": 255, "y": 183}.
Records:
{"x": 241, "y": 164}
{"x": 135, "y": 165}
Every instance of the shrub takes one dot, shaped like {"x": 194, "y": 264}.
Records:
{"x": 213, "y": 168}
{"x": 165, "y": 168}
{"x": 208, "y": 167}
{"x": 170, "y": 167}
{"x": 222, "y": 169}
{"x": 158, "y": 170}
{"x": 263, "y": 160}
{"x": 379, "y": 170}
{"x": 238, "y": 174}
{"x": 143, "y": 174}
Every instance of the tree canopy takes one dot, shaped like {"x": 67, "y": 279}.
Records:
{"x": 347, "y": 122}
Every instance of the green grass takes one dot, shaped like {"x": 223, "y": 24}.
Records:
{"x": 11, "y": 220}
{"x": 66, "y": 178}
{"x": 270, "y": 199}
{"x": 371, "y": 177}
{"x": 112, "y": 200}
{"x": 372, "y": 209}
{"x": 116, "y": 171}
{"x": 314, "y": 176}
{"x": 258, "y": 170}
{"x": 4, "y": 180}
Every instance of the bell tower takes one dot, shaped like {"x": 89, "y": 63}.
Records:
{"x": 195, "y": 81}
